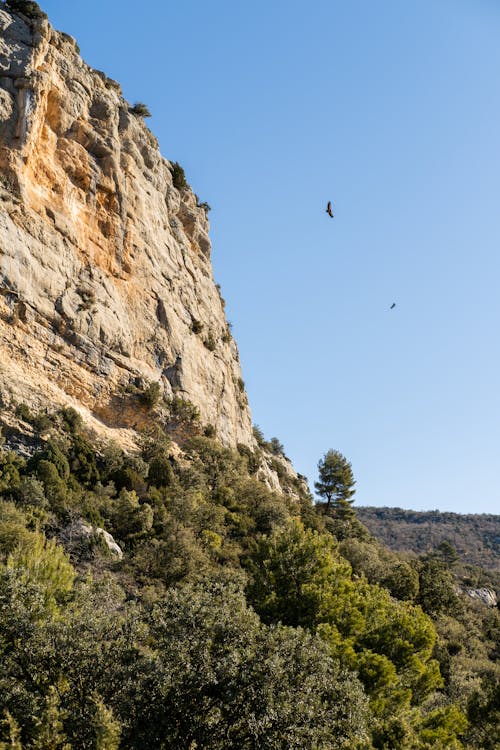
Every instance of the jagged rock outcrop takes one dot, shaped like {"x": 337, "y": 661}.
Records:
{"x": 487, "y": 596}
{"x": 105, "y": 272}
{"x": 79, "y": 530}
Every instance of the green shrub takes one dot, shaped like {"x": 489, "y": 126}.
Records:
{"x": 13, "y": 531}
{"x": 155, "y": 444}
{"x": 131, "y": 519}
{"x": 278, "y": 467}
{"x": 220, "y": 467}
{"x": 10, "y": 467}
{"x": 72, "y": 421}
{"x": 24, "y": 413}
{"x": 252, "y": 457}
{"x": 30, "y": 492}
{"x": 27, "y": 7}
{"x": 259, "y": 436}
{"x": 150, "y": 396}
{"x": 140, "y": 110}
{"x": 131, "y": 475}
{"x": 45, "y": 563}
{"x": 55, "y": 488}
{"x": 111, "y": 84}
{"x": 178, "y": 176}
{"x": 201, "y": 517}
{"x": 228, "y": 682}
{"x": 276, "y": 447}
{"x": 83, "y": 461}
{"x": 160, "y": 472}
{"x": 437, "y": 589}
{"x": 12, "y": 733}
{"x": 42, "y": 421}
{"x": 182, "y": 410}
{"x": 209, "y": 342}
{"x": 56, "y": 455}
{"x": 210, "y": 431}
{"x": 196, "y": 326}
{"x": 402, "y": 581}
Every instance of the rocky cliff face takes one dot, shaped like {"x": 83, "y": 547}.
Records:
{"x": 105, "y": 273}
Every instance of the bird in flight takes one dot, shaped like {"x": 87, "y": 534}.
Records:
{"x": 393, "y": 306}
{"x": 329, "y": 209}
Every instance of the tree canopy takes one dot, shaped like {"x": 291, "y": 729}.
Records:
{"x": 238, "y": 616}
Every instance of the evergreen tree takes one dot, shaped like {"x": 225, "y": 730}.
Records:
{"x": 336, "y": 481}
{"x": 447, "y": 553}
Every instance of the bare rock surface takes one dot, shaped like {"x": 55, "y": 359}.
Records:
{"x": 485, "y": 595}
{"x": 104, "y": 264}
{"x": 81, "y": 530}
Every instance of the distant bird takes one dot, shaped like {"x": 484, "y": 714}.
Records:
{"x": 393, "y": 306}
{"x": 329, "y": 209}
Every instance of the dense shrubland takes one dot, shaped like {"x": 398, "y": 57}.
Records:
{"x": 238, "y": 617}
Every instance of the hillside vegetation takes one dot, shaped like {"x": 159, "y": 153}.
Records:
{"x": 476, "y": 538}
{"x": 235, "y": 617}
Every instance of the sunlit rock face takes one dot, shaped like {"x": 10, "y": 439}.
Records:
{"x": 105, "y": 272}
{"x": 487, "y": 596}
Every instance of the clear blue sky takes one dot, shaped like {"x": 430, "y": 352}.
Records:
{"x": 391, "y": 109}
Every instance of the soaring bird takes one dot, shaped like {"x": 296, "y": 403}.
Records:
{"x": 329, "y": 209}
{"x": 393, "y": 306}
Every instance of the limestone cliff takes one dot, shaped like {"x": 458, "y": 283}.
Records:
{"x": 105, "y": 274}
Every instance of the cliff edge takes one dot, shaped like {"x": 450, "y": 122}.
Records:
{"x": 106, "y": 283}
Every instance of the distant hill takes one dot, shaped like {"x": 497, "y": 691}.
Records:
{"x": 476, "y": 538}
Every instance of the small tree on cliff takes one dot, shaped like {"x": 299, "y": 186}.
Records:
{"x": 140, "y": 110}
{"x": 336, "y": 481}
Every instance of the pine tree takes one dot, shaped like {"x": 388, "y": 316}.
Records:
{"x": 336, "y": 481}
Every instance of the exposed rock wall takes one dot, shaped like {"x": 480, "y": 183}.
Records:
{"x": 487, "y": 596}
{"x": 104, "y": 265}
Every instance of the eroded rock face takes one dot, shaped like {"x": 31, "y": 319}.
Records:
{"x": 81, "y": 530}
{"x": 487, "y": 596}
{"x": 104, "y": 265}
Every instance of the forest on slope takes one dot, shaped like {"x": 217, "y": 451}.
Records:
{"x": 475, "y": 537}
{"x": 220, "y": 614}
